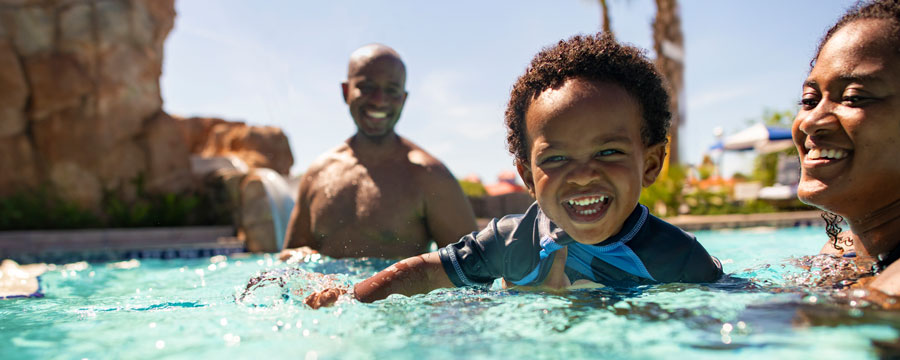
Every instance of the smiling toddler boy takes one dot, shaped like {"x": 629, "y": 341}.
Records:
{"x": 587, "y": 124}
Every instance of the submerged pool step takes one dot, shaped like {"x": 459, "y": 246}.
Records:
{"x": 118, "y": 244}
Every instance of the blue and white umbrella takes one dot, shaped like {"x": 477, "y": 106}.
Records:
{"x": 763, "y": 139}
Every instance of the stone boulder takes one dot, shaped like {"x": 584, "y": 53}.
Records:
{"x": 80, "y": 105}
{"x": 257, "y": 146}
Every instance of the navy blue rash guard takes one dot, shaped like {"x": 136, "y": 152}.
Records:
{"x": 519, "y": 248}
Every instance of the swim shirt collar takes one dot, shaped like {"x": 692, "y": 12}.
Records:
{"x": 632, "y": 224}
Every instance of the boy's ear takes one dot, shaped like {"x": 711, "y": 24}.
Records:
{"x": 654, "y": 157}
{"x": 527, "y": 176}
{"x": 344, "y": 89}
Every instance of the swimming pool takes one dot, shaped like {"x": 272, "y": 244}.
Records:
{"x": 187, "y": 308}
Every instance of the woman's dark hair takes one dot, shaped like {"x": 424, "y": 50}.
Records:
{"x": 591, "y": 57}
{"x": 863, "y": 10}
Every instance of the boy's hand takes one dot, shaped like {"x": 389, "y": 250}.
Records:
{"x": 296, "y": 255}
{"x": 557, "y": 279}
{"x": 324, "y": 298}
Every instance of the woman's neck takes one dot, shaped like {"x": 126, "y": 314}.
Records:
{"x": 878, "y": 232}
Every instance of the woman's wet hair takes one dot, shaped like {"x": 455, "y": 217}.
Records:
{"x": 596, "y": 58}
{"x": 865, "y": 10}
{"x": 833, "y": 229}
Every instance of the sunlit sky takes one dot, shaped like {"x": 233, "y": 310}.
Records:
{"x": 281, "y": 62}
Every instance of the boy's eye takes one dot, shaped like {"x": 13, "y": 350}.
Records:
{"x": 609, "y": 152}
{"x": 553, "y": 159}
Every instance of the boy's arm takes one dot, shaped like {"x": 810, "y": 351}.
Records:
{"x": 701, "y": 267}
{"x": 416, "y": 275}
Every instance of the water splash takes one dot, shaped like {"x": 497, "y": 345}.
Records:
{"x": 286, "y": 285}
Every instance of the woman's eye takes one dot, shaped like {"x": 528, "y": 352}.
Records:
{"x": 852, "y": 99}
{"x": 808, "y": 103}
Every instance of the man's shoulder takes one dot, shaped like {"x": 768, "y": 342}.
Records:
{"x": 419, "y": 156}
{"x": 340, "y": 155}
{"x": 422, "y": 163}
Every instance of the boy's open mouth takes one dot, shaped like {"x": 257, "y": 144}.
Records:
{"x": 587, "y": 208}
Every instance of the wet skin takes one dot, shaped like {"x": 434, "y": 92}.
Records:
{"x": 845, "y": 132}
{"x": 851, "y": 106}
{"x": 585, "y": 142}
{"x": 587, "y": 161}
{"x": 375, "y": 94}
{"x": 378, "y": 194}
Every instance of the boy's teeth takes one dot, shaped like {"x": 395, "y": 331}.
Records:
{"x": 836, "y": 154}
{"x": 376, "y": 114}
{"x": 587, "y": 201}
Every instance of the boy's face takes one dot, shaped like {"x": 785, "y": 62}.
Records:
{"x": 587, "y": 163}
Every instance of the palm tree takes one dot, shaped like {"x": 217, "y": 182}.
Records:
{"x": 604, "y": 18}
{"x": 668, "y": 43}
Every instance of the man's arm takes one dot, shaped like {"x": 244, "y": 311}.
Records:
{"x": 416, "y": 275}
{"x": 299, "y": 228}
{"x": 448, "y": 214}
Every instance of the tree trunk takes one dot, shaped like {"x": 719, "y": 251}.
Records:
{"x": 605, "y": 24}
{"x": 668, "y": 42}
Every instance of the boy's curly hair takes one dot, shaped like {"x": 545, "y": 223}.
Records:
{"x": 591, "y": 57}
{"x": 879, "y": 9}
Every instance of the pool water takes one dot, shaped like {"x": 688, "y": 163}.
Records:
{"x": 210, "y": 308}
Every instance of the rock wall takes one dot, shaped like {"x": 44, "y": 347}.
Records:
{"x": 80, "y": 105}
{"x": 257, "y": 146}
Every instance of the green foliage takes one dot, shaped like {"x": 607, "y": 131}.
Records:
{"x": 668, "y": 195}
{"x": 472, "y": 189}
{"x": 712, "y": 202}
{"x": 44, "y": 210}
{"x": 765, "y": 166}
{"x": 664, "y": 196}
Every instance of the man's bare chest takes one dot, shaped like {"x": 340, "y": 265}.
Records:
{"x": 355, "y": 194}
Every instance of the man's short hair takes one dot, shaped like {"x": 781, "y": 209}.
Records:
{"x": 596, "y": 58}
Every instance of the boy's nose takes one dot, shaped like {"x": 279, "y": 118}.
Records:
{"x": 584, "y": 174}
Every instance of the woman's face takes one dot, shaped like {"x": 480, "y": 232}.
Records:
{"x": 848, "y": 125}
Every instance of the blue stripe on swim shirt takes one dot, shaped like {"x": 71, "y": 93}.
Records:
{"x": 616, "y": 254}
{"x": 548, "y": 246}
{"x": 580, "y": 255}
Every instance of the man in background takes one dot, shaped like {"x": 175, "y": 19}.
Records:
{"x": 377, "y": 194}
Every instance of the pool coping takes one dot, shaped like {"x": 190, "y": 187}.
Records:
{"x": 200, "y": 241}
{"x": 735, "y": 221}
{"x": 118, "y": 243}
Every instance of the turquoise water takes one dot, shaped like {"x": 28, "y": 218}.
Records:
{"x": 187, "y": 309}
